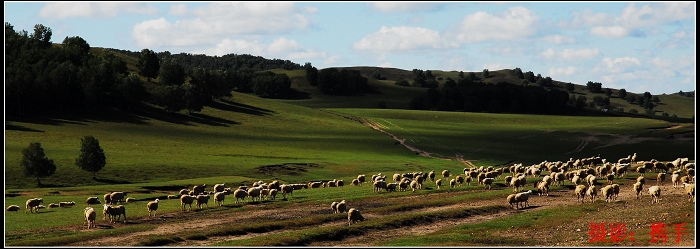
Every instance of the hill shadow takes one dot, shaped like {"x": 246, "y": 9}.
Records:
{"x": 227, "y": 105}
{"x": 112, "y": 181}
{"x": 10, "y": 127}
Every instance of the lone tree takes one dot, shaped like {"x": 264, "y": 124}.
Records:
{"x": 35, "y": 162}
{"x": 92, "y": 157}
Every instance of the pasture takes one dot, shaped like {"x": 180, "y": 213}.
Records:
{"x": 248, "y": 139}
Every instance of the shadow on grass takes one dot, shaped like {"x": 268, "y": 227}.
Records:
{"x": 111, "y": 181}
{"x": 9, "y": 127}
{"x": 227, "y": 105}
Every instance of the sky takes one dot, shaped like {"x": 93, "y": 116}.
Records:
{"x": 638, "y": 46}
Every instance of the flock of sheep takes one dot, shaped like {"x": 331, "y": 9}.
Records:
{"x": 583, "y": 173}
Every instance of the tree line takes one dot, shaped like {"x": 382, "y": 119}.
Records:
{"x": 42, "y": 77}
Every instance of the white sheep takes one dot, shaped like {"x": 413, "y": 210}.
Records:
{"x": 333, "y": 205}
{"x": 117, "y": 197}
{"x": 487, "y": 182}
{"x": 240, "y": 194}
{"x": 655, "y": 193}
{"x": 187, "y": 200}
{"x": 198, "y": 189}
{"x": 108, "y": 197}
{"x": 356, "y": 182}
{"x": 287, "y": 190}
{"x": 184, "y": 191}
{"x": 152, "y": 206}
{"x": 13, "y": 208}
{"x": 361, "y": 179}
{"x": 608, "y": 193}
{"x": 616, "y": 190}
{"x": 130, "y": 200}
{"x": 641, "y": 180}
{"x": 93, "y": 200}
{"x": 690, "y": 191}
{"x": 90, "y": 215}
{"x": 273, "y": 192}
{"x": 453, "y": 183}
{"x": 52, "y": 205}
{"x": 523, "y": 197}
{"x": 438, "y": 183}
{"x": 354, "y": 215}
{"x": 592, "y": 192}
{"x": 219, "y": 198}
{"x": 511, "y": 199}
{"x": 378, "y": 186}
{"x": 675, "y": 178}
{"x": 254, "y": 193}
{"x": 219, "y": 187}
{"x": 431, "y": 175}
{"x": 340, "y": 208}
{"x": 445, "y": 174}
{"x": 33, "y": 204}
{"x": 660, "y": 178}
{"x": 637, "y": 187}
{"x": 542, "y": 188}
{"x": 414, "y": 185}
{"x": 113, "y": 212}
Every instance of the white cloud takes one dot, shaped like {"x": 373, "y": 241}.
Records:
{"x": 559, "y": 39}
{"x": 586, "y": 18}
{"x": 515, "y": 23}
{"x": 63, "y": 10}
{"x": 570, "y": 54}
{"x": 660, "y": 62}
{"x": 399, "y": 7}
{"x": 280, "y": 45}
{"x": 386, "y": 64}
{"x": 178, "y": 10}
{"x": 617, "y": 65}
{"x": 219, "y": 20}
{"x": 610, "y": 32}
{"x": 554, "y": 72}
{"x": 397, "y": 39}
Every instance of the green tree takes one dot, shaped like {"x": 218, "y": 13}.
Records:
{"x": 580, "y": 102}
{"x": 519, "y": 73}
{"x": 486, "y": 73}
{"x": 622, "y": 93}
{"x": 608, "y": 92}
{"x": 35, "y": 162}
{"x": 461, "y": 74}
{"x": 171, "y": 73}
{"x": 656, "y": 99}
{"x": 42, "y": 35}
{"x": 92, "y": 158}
{"x": 148, "y": 64}
{"x": 647, "y": 95}
{"x": 311, "y": 74}
{"x": 529, "y": 76}
{"x": 570, "y": 87}
{"x": 375, "y": 75}
{"x": 402, "y": 82}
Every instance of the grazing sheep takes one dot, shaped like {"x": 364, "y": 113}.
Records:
{"x": 202, "y": 199}
{"x": 171, "y": 197}
{"x": 660, "y": 178}
{"x": 33, "y": 205}
{"x": 523, "y": 197}
{"x": 331, "y": 184}
{"x": 607, "y": 192}
{"x": 576, "y": 180}
{"x": 453, "y": 183}
{"x": 511, "y": 200}
{"x": 542, "y": 188}
{"x": 361, "y": 179}
{"x": 219, "y": 187}
{"x": 340, "y": 183}
{"x": 108, "y": 198}
{"x": 152, "y": 206}
{"x": 184, "y": 191}
{"x": 219, "y": 198}
{"x": 581, "y": 192}
{"x": 254, "y": 193}
{"x": 459, "y": 179}
{"x": 52, "y": 205}
{"x": 196, "y": 190}
{"x": 403, "y": 185}
{"x": 397, "y": 177}
{"x": 419, "y": 180}
{"x": 354, "y": 215}
{"x": 445, "y": 174}
{"x": 690, "y": 191}
{"x": 333, "y": 205}
{"x": 273, "y": 193}
{"x": 591, "y": 179}
{"x": 13, "y": 208}
{"x": 315, "y": 184}
{"x": 130, "y": 200}
{"x": 187, "y": 200}
{"x": 438, "y": 183}
{"x": 637, "y": 187}
{"x": 287, "y": 190}
{"x": 611, "y": 177}
{"x": 90, "y": 215}
{"x": 93, "y": 200}
{"x": 116, "y": 197}
{"x": 113, "y": 212}
{"x": 559, "y": 178}
{"x": 431, "y": 175}
{"x": 592, "y": 192}
{"x": 616, "y": 190}
{"x": 240, "y": 194}
{"x": 414, "y": 185}
{"x": 379, "y": 185}
{"x": 655, "y": 193}
{"x": 508, "y": 180}
{"x": 641, "y": 180}
{"x": 641, "y": 169}
{"x": 355, "y": 182}
{"x": 675, "y": 178}
{"x": 487, "y": 182}
{"x": 391, "y": 187}
{"x": 340, "y": 208}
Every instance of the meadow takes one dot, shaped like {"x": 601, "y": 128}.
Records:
{"x": 245, "y": 139}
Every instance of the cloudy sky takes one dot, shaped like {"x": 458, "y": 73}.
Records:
{"x": 642, "y": 46}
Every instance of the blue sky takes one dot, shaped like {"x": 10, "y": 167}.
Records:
{"x": 638, "y": 46}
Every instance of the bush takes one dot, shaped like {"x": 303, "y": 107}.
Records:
{"x": 633, "y": 110}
